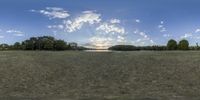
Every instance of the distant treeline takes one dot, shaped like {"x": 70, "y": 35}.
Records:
{"x": 50, "y": 43}
{"x": 42, "y": 43}
{"x": 171, "y": 45}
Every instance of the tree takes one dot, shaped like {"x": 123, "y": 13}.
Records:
{"x": 123, "y": 48}
{"x": 17, "y": 46}
{"x": 60, "y": 45}
{"x": 33, "y": 41}
{"x": 4, "y": 47}
{"x": 48, "y": 44}
{"x": 38, "y": 43}
{"x": 27, "y": 45}
{"x": 183, "y": 45}
{"x": 172, "y": 45}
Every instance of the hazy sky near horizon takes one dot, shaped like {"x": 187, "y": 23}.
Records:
{"x": 101, "y": 22}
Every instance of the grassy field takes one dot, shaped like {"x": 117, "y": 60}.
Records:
{"x": 73, "y": 75}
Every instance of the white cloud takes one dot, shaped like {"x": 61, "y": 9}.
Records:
{"x": 53, "y": 12}
{"x": 110, "y": 28}
{"x": 136, "y": 31}
{"x": 197, "y": 31}
{"x": 15, "y": 32}
{"x": 105, "y": 34}
{"x": 137, "y": 21}
{"x": 108, "y": 34}
{"x": 167, "y": 35}
{"x": 187, "y": 35}
{"x": 87, "y": 17}
{"x": 18, "y": 35}
{"x": 152, "y": 42}
{"x": 1, "y": 36}
{"x": 162, "y": 27}
{"x": 144, "y": 39}
{"x": 121, "y": 39}
{"x": 115, "y": 21}
{"x": 144, "y": 35}
{"x": 55, "y": 26}
{"x": 161, "y": 22}
{"x": 138, "y": 40}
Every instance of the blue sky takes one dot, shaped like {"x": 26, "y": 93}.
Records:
{"x": 101, "y": 23}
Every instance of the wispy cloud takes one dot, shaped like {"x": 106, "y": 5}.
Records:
{"x": 144, "y": 39}
{"x": 187, "y": 35}
{"x": 115, "y": 21}
{"x": 109, "y": 33}
{"x": 167, "y": 35}
{"x": 137, "y": 21}
{"x": 15, "y": 32}
{"x": 162, "y": 27}
{"x": 197, "y": 30}
{"x": 87, "y": 17}
{"x": 1, "y": 36}
{"x": 53, "y": 12}
{"x": 110, "y": 28}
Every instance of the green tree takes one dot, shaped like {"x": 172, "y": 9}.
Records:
{"x": 4, "y": 47}
{"x": 123, "y": 48}
{"x": 27, "y": 45}
{"x": 183, "y": 45}
{"x": 48, "y": 43}
{"x": 60, "y": 45}
{"x": 17, "y": 46}
{"x": 33, "y": 41}
{"x": 172, "y": 45}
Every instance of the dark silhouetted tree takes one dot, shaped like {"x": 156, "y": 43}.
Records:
{"x": 60, "y": 45}
{"x": 183, "y": 45}
{"x": 123, "y": 48}
{"x": 17, "y": 46}
{"x": 172, "y": 45}
{"x": 48, "y": 43}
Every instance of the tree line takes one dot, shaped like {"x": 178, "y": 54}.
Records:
{"x": 41, "y": 43}
{"x": 50, "y": 43}
{"x": 171, "y": 45}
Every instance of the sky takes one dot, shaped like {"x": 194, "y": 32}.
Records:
{"x": 101, "y": 23}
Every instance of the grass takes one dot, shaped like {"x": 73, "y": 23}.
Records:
{"x": 139, "y": 75}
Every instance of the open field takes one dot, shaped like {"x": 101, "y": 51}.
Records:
{"x": 139, "y": 75}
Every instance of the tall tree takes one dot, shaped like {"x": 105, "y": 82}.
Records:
{"x": 172, "y": 45}
{"x": 60, "y": 45}
{"x": 183, "y": 45}
{"x": 17, "y": 46}
{"x": 48, "y": 43}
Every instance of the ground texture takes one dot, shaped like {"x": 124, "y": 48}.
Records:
{"x": 69, "y": 75}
